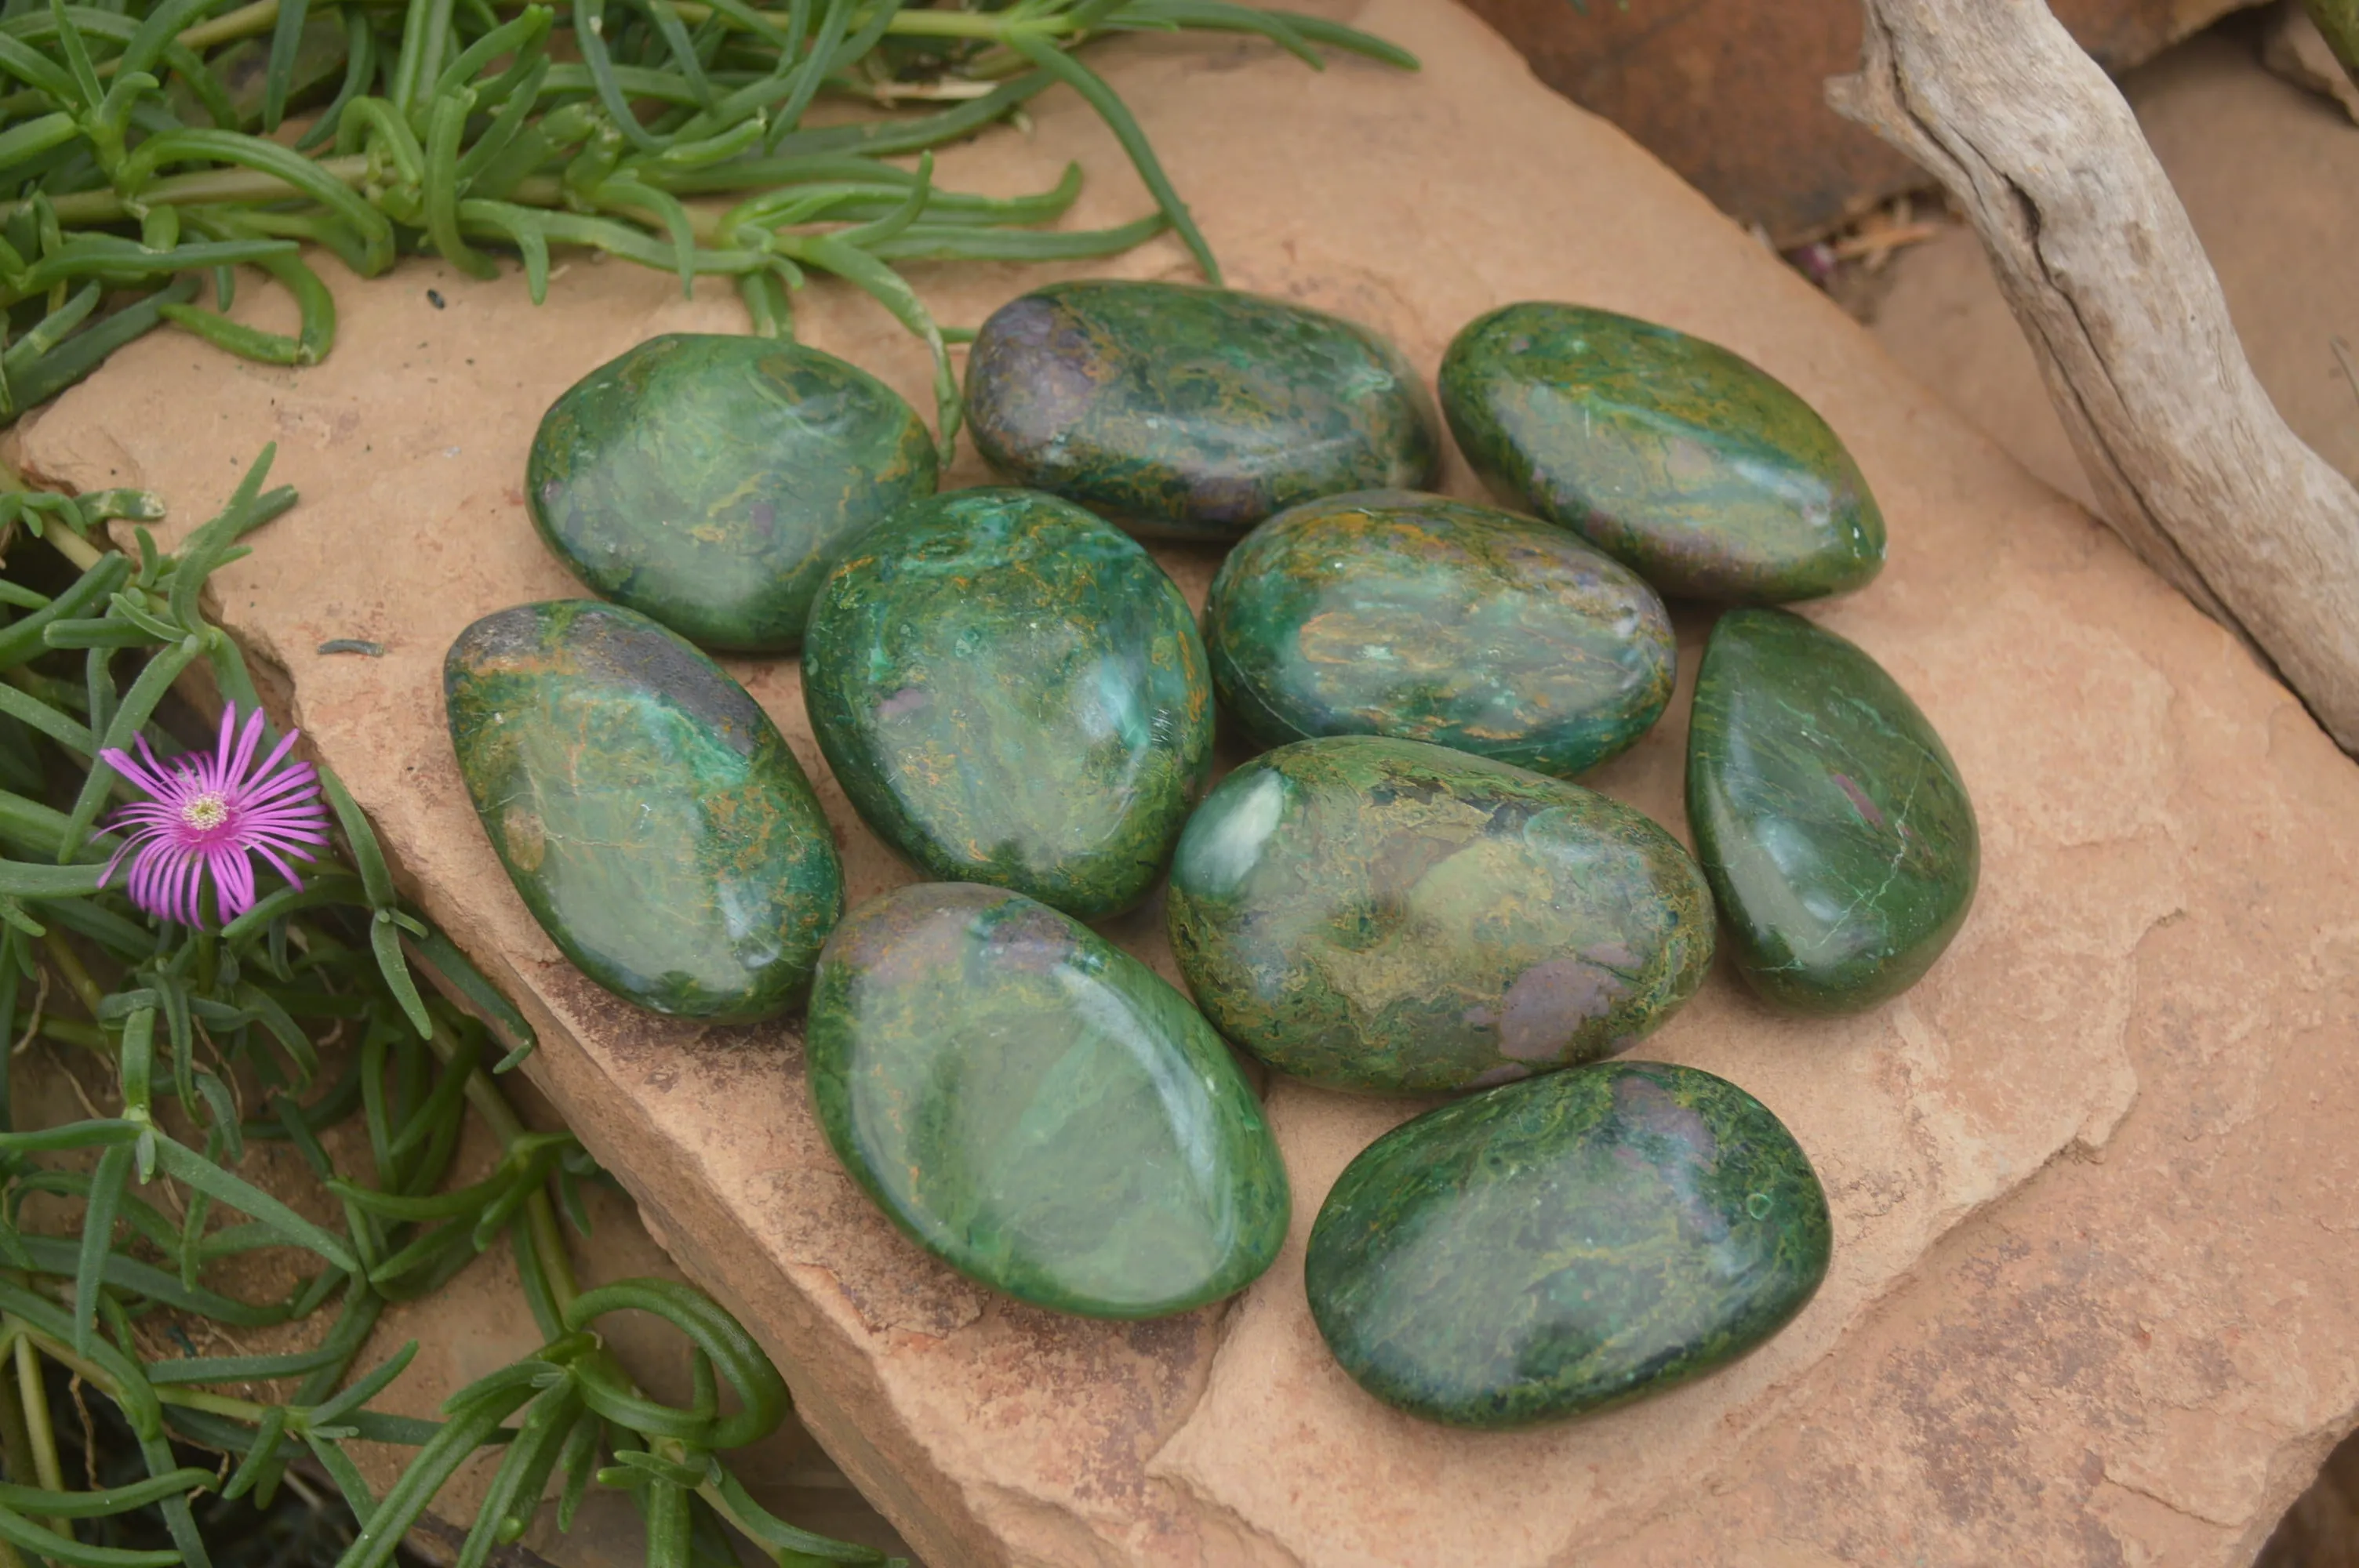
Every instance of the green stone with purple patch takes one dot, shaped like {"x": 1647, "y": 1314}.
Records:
{"x": 1187, "y": 412}
{"x": 1387, "y": 613}
{"x": 647, "y": 809}
{"x": 1696, "y": 468}
{"x": 1390, "y": 915}
{"x": 1038, "y": 1109}
{"x": 707, "y": 479}
{"x": 1830, "y": 818}
{"x": 1563, "y": 1245}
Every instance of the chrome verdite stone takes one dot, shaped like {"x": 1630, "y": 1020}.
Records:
{"x": 647, "y": 809}
{"x": 1393, "y": 916}
{"x": 1387, "y": 613}
{"x": 1562, "y": 1246}
{"x": 1699, "y": 470}
{"x": 706, "y": 479}
{"x": 1011, "y": 691}
{"x": 1193, "y": 412}
{"x": 1038, "y": 1109}
{"x": 1836, "y": 831}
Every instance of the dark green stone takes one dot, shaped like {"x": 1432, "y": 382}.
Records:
{"x": 1563, "y": 1245}
{"x": 1671, "y": 454}
{"x": 1011, "y": 691}
{"x": 1392, "y": 613}
{"x": 1829, "y": 816}
{"x": 1193, "y": 412}
{"x": 648, "y": 811}
{"x": 1390, "y": 915}
{"x": 1038, "y": 1109}
{"x": 707, "y": 479}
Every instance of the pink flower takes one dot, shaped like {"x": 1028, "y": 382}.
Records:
{"x": 203, "y": 814}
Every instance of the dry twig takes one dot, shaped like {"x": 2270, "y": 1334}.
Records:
{"x": 2196, "y": 469}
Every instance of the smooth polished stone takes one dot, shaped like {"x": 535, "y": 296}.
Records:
{"x": 1387, "y": 613}
{"x": 648, "y": 811}
{"x": 1011, "y": 691}
{"x": 705, "y": 480}
{"x": 1038, "y": 1109}
{"x": 1828, "y": 815}
{"x": 1179, "y": 410}
{"x": 1566, "y": 1244}
{"x": 1695, "y": 467}
{"x": 1389, "y": 915}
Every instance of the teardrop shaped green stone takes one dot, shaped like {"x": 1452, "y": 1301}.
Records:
{"x": 1835, "y": 829}
{"x": 647, "y": 809}
{"x": 1038, "y": 1109}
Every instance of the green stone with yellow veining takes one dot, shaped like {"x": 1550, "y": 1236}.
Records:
{"x": 1011, "y": 691}
{"x": 648, "y": 811}
{"x": 1391, "y": 915}
{"x": 1387, "y": 613}
{"x": 1038, "y": 1109}
{"x": 1189, "y": 412}
{"x": 708, "y": 480}
{"x": 1834, "y": 826}
{"x": 1563, "y": 1245}
{"x": 1696, "y": 468}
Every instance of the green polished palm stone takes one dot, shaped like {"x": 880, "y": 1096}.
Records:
{"x": 1011, "y": 691}
{"x": 1183, "y": 411}
{"x": 1566, "y": 1244}
{"x": 707, "y": 479}
{"x": 1827, "y": 813}
{"x": 1038, "y": 1109}
{"x": 1696, "y": 468}
{"x": 1390, "y": 915}
{"x": 1387, "y": 613}
{"x": 648, "y": 811}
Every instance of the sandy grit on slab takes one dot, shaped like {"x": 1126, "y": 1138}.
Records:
{"x": 2136, "y": 1356}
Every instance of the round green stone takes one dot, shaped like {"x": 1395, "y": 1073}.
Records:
{"x": 1828, "y": 815}
{"x": 1038, "y": 1109}
{"x": 1011, "y": 691}
{"x": 648, "y": 811}
{"x": 706, "y": 479}
{"x": 1566, "y": 1244}
{"x": 1193, "y": 412}
{"x": 1392, "y": 613}
{"x": 1390, "y": 915}
{"x": 1695, "y": 467}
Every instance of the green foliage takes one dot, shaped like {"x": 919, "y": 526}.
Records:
{"x": 207, "y": 1038}
{"x": 142, "y": 158}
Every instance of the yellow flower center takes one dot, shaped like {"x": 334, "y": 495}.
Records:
{"x": 205, "y": 813}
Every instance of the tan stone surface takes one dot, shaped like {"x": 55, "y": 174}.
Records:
{"x": 2166, "y": 947}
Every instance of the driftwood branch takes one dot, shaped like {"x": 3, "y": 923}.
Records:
{"x": 2194, "y": 466}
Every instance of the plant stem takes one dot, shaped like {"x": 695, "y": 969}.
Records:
{"x": 41, "y": 1433}
{"x": 69, "y": 969}
{"x": 540, "y": 1215}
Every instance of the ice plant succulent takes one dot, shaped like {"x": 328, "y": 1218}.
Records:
{"x": 203, "y": 815}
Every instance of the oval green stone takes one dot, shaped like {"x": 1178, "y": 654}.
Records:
{"x": 1828, "y": 815}
{"x": 1011, "y": 691}
{"x": 1392, "y": 613}
{"x": 1386, "y": 915}
{"x": 1567, "y": 1245}
{"x": 1671, "y": 454}
{"x": 706, "y": 479}
{"x": 1038, "y": 1109}
{"x": 648, "y": 811}
{"x": 1193, "y": 412}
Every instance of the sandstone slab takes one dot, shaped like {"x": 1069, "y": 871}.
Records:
{"x": 2089, "y": 1298}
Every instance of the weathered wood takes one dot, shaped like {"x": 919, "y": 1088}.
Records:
{"x": 2193, "y": 464}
